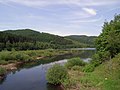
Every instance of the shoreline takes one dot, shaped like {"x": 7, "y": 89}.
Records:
{"x": 14, "y": 66}
{"x": 11, "y": 66}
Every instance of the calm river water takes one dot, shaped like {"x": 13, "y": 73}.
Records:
{"x": 32, "y": 76}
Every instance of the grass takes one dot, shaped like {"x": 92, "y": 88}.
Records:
{"x": 28, "y": 55}
{"x": 104, "y": 77}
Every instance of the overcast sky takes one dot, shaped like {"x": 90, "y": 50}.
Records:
{"x": 61, "y": 17}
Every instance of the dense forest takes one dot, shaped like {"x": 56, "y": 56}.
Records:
{"x": 27, "y": 39}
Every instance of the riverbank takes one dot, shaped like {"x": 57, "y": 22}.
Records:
{"x": 104, "y": 77}
{"x": 28, "y": 55}
{"x": 11, "y": 60}
{"x": 11, "y": 66}
{"x": 32, "y": 74}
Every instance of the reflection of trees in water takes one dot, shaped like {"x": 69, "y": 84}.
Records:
{"x": 47, "y": 60}
{"x": 75, "y": 53}
{"x": 5, "y": 76}
{"x": 87, "y": 54}
{"x": 3, "y": 79}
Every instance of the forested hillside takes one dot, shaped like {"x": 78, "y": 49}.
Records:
{"x": 88, "y": 40}
{"x": 27, "y": 39}
{"x": 42, "y": 37}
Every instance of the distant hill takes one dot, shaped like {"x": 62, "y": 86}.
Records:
{"x": 41, "y": 37}
{"x": 8, "y": 37}
{"x": 27, "y": 39}
{"x": 88, "y": 40}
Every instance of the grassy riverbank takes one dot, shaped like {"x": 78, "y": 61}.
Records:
{"x": 104, "y": 77}
{"x": 10, "y": 60}
{"x": 7, "y": 57}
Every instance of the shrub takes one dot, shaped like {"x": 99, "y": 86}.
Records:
{"x": 103, "y": 55}
{"x": 56, "y": 74}
{"x": 100, "y": 57}
{"x": 22, "y": 56}
{"x": 95, "y": 62}
{"x": 2, "y": 71}
{"x": 32, "y": 53}
{"x": 76, "y": 68}
{"x": 4, "y": 55}
{"x": 89, "y": 68}
{"x": 74, "y": 62}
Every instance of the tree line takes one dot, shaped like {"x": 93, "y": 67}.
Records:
{"x": 27, "y": 39}
{"x": 108, "y": 42}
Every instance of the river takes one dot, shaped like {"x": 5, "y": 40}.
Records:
{"x": 32, "y": 76}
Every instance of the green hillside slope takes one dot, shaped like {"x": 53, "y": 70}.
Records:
{"x": 42, "y": 37}
{"x": 88, "y": 40}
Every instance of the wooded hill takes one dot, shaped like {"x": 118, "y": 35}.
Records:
{"x": 27, "y": 39}
{"x": 88, "y": 40}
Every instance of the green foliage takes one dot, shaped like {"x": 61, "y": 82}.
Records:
{"x": 2, "y": 71}
{"x": 69, "y": 82}
{"x": 27, "y": 39}
{"x": 100, "y": 57}
{"x": 74, "y": 62}
{"x": 3, "y": 55}
{"x": 28, "y": 55}
{"x": 56, "y": 74}
{"x": 22, "y": 56}
{"x": 109, "y": 39}
{"x": 76, "y": 68}
{"x": 86, "y": 40}
{"x": 42, "y": 37}
{"x": 89, "y": 68}
{"x": 105, "y": 77}
{"x": 9, "y": 56}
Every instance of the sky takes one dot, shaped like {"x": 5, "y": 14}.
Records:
{"x": 60, "y": 17}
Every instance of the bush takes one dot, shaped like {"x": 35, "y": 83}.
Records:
{"x": 89, "y": 68}
{"x": 22, "y": 56}
{"x": 74, "y": 62}
{"x": 4, "y": 55}
{"x": 96, "y": 62}
{"x": 76, "y": 68}
{"x": 56, "y": 74}
{"x": 100, "y": 57}
{"x": 2, "y": 71}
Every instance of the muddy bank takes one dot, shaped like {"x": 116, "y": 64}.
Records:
{"x": 11, "y": 66}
